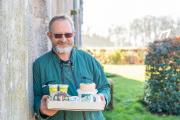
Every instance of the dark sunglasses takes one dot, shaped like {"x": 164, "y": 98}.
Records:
{"x": 67, "y": 35}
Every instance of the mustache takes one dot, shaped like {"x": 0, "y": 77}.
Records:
{"x": 65, "y": 43}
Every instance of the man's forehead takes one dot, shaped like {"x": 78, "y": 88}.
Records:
{"x": 61, "y": 24}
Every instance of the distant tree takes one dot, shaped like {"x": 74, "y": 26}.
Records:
{"x": 148, "y": 28}
{"x": 176, "y": 26}
{"x": 136, "y": 30}
{"x": 139, "y": 33}
{"x": 117, "y": 34}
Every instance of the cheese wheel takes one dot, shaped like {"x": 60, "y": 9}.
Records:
{"x": 87, "y": 86}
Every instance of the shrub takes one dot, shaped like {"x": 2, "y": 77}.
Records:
{"x": 116, "y": 57}
{"x": 162, "y": 88}
{"x": 119, "y": 56}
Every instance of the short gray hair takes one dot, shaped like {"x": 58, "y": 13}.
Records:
{"x": 61, "y": 17}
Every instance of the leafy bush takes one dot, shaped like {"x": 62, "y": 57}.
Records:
{"x": 162, "y": 89}
{"x": 116, "y": 57}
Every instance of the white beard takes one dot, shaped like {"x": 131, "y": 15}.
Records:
{"x": 66, "y": 50}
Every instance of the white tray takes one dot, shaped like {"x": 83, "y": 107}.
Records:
{"x": 75, "y": 106}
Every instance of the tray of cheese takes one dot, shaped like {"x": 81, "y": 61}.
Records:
{"x": 87, "y": 99}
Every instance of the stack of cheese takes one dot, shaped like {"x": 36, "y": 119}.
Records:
{"x": 87, "y": 92}
{"x": 87, "y": 86}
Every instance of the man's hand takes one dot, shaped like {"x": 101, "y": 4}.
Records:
{"x": 102, "y": 98}
{"x": 43, "y": 108}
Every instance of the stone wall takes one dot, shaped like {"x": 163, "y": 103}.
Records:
{"x": 24, "y": 24}
{"x": 22, "y": 39}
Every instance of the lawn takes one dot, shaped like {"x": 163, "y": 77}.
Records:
{"x": 127, "y": 97}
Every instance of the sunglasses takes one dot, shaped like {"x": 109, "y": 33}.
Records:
{"x": 66, "y": 35}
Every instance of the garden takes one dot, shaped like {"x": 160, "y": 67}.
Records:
{"x": 154, "y": 97}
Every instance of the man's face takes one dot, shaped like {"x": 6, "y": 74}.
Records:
{"x": 61, "y": 36}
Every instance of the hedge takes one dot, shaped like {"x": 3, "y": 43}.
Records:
{"x": 162, "y": 86}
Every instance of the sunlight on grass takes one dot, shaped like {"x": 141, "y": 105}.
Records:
{"x": 135, "y": 72}
{"x": 127, "y": 97}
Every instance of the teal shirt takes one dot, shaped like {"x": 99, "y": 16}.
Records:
{"x": 81, "y": 68}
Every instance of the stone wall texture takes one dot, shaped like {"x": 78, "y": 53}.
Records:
{"x": 23, "y": 29}
{"x": 22, "y": 39}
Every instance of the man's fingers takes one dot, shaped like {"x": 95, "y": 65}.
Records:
{"x": 102, "y": 97}
{"x": 44, "y": 109}
{"x": 45, "y": 97}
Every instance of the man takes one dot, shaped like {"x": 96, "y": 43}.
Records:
{"x": 66, "y": 65}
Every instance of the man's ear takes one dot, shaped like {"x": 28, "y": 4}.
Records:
{"x": 49, "y": 35}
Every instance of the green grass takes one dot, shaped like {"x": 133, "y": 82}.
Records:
{"x": 126, "y": 99}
